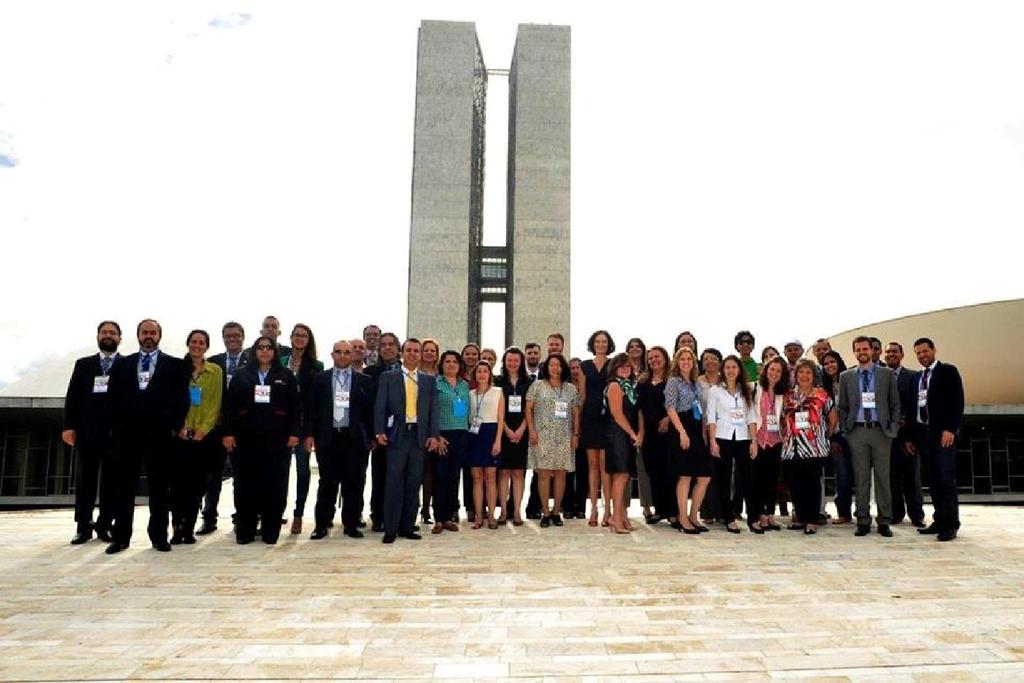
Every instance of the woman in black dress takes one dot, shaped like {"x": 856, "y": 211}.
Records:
{"x": 657, "y": 442}
{"x": 625, "y": 435}
{"x": 595, "y": 421}
{"x": 514, "y": 442}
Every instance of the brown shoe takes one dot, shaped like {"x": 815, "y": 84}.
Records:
{"x": 451, "y": 526}
{"x": 296, "y": 526}
{"x": 841, "y": 520}
{"x": 437, "y": 528}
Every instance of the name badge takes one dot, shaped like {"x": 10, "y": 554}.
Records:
{"x": 195, "y": 396}
{"x": 99, "y": 384}
{"x": 391, "y": 421}
{"x": 803, "y": 419}
{"x": 144, "y": 378}
{"x": 262, "y": 394}
{"x": 867, "y": 399}
{"x": 771, "y": 422}
{"x": 341, "y": 399}
{"x": 695, "y": 409}
{"x": 562, "y": 410}
{"x": 515, "y": 404}
{"x": 460, "y": 408}
{"x": 736, "y": 417}
{"x": 922, "y": 398}
{"x": 229, "y": 380}
{"x": 474, "y": 426}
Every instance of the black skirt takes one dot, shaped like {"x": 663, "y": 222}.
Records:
{"x": 694, "y": 461}
{"x": 594, "y": 432}
{"x": 620, "y": 454}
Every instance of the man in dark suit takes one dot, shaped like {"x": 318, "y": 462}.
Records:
{"x": 339, "y": 424}
{"x": 387, "y": 359}
{"x": 904, "y": 468}
{"x": 938, "y": 414}
{"x": 148, "y": 400}
{"x": 231, "y": 361}
{"x": 869, "y": 415}
{"x": 406, "y": 420}
{"x": 87, "y": 429}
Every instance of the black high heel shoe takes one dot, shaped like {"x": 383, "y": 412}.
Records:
{"x": 690, "y": 532}
{"x": 755, "y": 529}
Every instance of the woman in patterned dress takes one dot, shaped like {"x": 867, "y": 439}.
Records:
{"x": 553, "y": 422}
{"x": 808, "y": 417}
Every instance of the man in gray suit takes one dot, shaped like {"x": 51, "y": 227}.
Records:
{"x": 869, "y": 415}
{"x": 406, "y": 421}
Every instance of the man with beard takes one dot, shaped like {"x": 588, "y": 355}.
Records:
{"x": 87, "y": 429}
{"x": 230, "y": 362}
{"x": 148, "y": 400}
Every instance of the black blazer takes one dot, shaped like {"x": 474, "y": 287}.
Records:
{"x": 906, "y": 385}
{"x": 160, "y": 408}
{"x": 319, "y": 409}
{"x": 221, "y": 359}
{"x": 84, "y": 411}
{"x": 277, "y": 420}
{"x": 945, "y": 399}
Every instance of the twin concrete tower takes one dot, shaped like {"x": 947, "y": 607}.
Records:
{"x": 451, "y": 273}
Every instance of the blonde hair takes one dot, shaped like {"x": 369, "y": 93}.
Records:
{"x": 674, "y": 371}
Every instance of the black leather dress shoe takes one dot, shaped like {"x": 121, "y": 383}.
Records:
{"x": 244, "y": 540}
{"x": 104, "y": 535}
{"x": 177, "y": 538}
{"x": 361, "y": 524}
{"x": 930, "y": 529}
{"x": 83, "y": 536}
{"x": 318, "y": 533}
{"x": 884, "y": 530}
{"x": 946, "y": 536}
{"x": 377, "y": 527}
{"x": 115, "y": 548}
{"x": 188, "y": 539}
{"x": 389, "y": 538}
{"x": 412, "y": 536}
{"x": 919, "y": 523}
{"x": 162, "y": 546}
{"x": 354, "y": 533}
{"x": 556, "y": 519}
{"x": 545, "y": 522}
{"x": 755, "y": 529}
{"x": 862, "y": 530}
{"x": 207, "y": 528}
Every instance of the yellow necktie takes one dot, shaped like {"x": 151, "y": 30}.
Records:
{"x": 411, "y": 394}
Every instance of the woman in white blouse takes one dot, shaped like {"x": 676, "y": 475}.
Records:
{"x": 732, "y": 430}
{"x": 486, "y": 423}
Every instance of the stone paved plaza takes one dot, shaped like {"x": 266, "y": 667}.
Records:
{"x": 527, "y": 603}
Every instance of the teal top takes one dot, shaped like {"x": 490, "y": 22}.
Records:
{"x": 448, "y": 399}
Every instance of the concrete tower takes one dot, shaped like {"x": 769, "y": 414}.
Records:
{"x": 450, "y": 273}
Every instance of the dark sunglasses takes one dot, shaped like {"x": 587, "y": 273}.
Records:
{"x": 264, "y": 347}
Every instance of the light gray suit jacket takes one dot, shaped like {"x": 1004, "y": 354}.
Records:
{"x": 887, "y": 400}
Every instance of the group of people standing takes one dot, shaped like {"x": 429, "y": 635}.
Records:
{"x": 419, "y": 419}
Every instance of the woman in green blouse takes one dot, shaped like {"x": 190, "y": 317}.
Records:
{"x": 195, "y": 449}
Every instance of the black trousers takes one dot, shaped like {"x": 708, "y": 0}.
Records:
{"x": 533, "y": 502}
{"x": 941, "y": 467}
{"x": 905, "y": 483}
{"x": 341, "y": 466}
{"x": 663, "y": 481}
{"x": 261, "y": 480}
{"x": 467, "y": 488}
{"x": 378, "y": 483}
{"x": 155, "y": 450}
{"x": 731, "y": 451}
{"x": 739, "y": 485}
{"x": 803, "y": 476}
{"x": 446, "y": 475}
{"x": 760, "y": 478}
{"x": 94, "y": 470}
{"x": 214, "y": 477}
{"x": 188, "y": 479}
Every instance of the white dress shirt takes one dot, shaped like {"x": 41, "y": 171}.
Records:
{"x": 730, "y": 413}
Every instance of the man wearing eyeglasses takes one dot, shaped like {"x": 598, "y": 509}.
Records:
{"x": 339, "y": 410}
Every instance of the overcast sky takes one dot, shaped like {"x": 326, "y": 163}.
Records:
{"x": 794, "y": 168}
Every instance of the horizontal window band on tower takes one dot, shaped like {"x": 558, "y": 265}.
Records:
{"x": 492, "y": 267}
